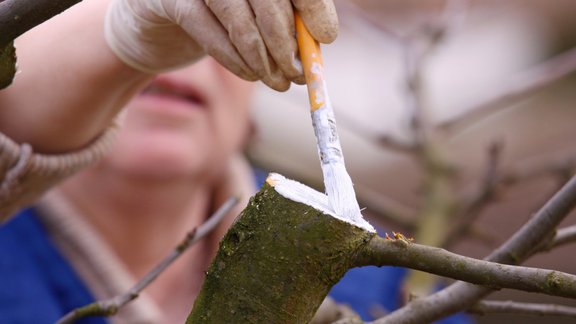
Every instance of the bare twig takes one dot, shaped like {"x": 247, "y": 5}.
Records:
{"x": 414, "y": 60}
{"x": 355, "y": 16}
{"x": 472, "y": 209}
{"x": 563, "y": 236}
{"x": 382, "y": 140}
{"x": 398, "y": 252}
{"x": 394, "y": 144}
{"x": 387, "y": 209}
{"x": 454, "y": 14}
{"x": 483, "y": 235}
{"x": 18, "y": 16}
{"x": 525, "y": 84}
{"x": 113, "y": 305}
{"x": 559, "y": 166}
{"x": 439, "y": 203}
{"x": 331, "y": 311}
{"x": 491, "y": 306}
{"x": 461, "y": 295}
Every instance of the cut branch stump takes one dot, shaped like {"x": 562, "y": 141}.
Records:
{"x": 278, "y": 261}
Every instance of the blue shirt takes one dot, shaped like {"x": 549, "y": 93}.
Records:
{"x": 37, "y": 285}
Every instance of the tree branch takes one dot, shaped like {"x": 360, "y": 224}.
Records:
{"x": 398, "y": 252}
{"x": 385, "y": 141}
{"x": 7, "y": 65}
{"x": 113, "y": 305}
{"x": 19, "y": 16}
{"x": 461, "y": 295}
{"x": 534, "y": 80}
{"x": 563, "y": 236}
{"x": 560, "y": 166}
{"x": 491, "y": 306}
{"x": 438, "y": 207}
{"x": 278, "y": 261}
{"x": 387, "y": 209}
{"x": 472, "y": 208}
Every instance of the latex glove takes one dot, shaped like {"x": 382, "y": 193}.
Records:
{"x": 255, "y": 39}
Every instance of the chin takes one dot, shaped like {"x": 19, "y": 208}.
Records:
{"x": 157, "y": 162}
{"x": 153, "y": 173}
{"x": 159, "y": 168}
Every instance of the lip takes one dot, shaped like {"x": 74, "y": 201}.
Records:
{"x": 172, "y": 89}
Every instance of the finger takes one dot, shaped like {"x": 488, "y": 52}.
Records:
{"x": 300, "y": 80}
{"x": 238, "y": 19}
{"x": 275, "y": 20}
{"x": 204, "y": 28}
{"x": 320, "y": 18}
{"x": 277, "y": 80}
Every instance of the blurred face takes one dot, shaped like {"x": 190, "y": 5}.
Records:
{"x": 186, "y": 123}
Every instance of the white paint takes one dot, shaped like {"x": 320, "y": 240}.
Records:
{"x": 324, "y": 124}
{"x": 316, "y": 68}
{"x": 301, "y": 193}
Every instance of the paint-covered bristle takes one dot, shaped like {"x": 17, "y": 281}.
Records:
{"x": 338, "y": 184}
{"x": 340, "y": 191}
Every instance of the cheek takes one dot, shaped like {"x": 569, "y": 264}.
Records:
{"x": 235, "y": 132}
{"x": 234, "y": 117}
{"x": 239, "y": 92}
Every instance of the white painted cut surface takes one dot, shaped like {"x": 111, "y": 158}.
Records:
{"x": 301, "y": 193}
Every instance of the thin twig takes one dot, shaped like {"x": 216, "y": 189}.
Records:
{"x": 385, "y": 141}
{"x": 394, "y": 144}
{"x": 417, "y": 50}
{"x": 473, "y": 208}
{"x": 483, "y": 236}
{"x": 563, "y": 236}
{"x": 357, "y": 17}
{"x": 439, "y": 203}
{"x": 387, "y": 209}
{"x": 403, "y": 253}
{"x": 461, "y": 295}
{"x": 454, "y": 14}
{"x": 17, "y": 16}
{"x": 113, "y": 305}
{"x": 559, "y": 166}
{"x": 492, "y": 306}
{"x": 537, "y": 78}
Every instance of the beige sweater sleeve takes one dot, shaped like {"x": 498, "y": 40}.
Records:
{"x": 27, "y": 175}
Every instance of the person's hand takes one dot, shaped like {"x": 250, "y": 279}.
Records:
{"x": 255, "y": 39}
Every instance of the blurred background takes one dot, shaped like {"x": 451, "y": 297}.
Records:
{"x": 524, "y": 149}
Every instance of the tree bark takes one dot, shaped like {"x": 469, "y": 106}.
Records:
{"x": 277, "y": 263}
{"x": 17, "y": 17}
{"x": 7, "y": 65}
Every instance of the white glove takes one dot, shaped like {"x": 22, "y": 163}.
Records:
{"x": 255, "y": 39}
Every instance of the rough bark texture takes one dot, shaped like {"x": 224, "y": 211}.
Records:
{"x": 19, "y": 16}
{"x": 277, "y": 263}
{"x": 7, "y": 65}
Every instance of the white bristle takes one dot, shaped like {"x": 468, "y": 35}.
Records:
{"x": 340, "y": 191}
{"x": 338, "y": 184}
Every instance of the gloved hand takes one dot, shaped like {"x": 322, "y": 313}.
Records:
{"x": 255, "y": 39}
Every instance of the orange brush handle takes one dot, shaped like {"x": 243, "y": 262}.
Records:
{"x": 311, "y": 58}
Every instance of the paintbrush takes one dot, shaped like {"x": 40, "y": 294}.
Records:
{"x": 337, "y": 182}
